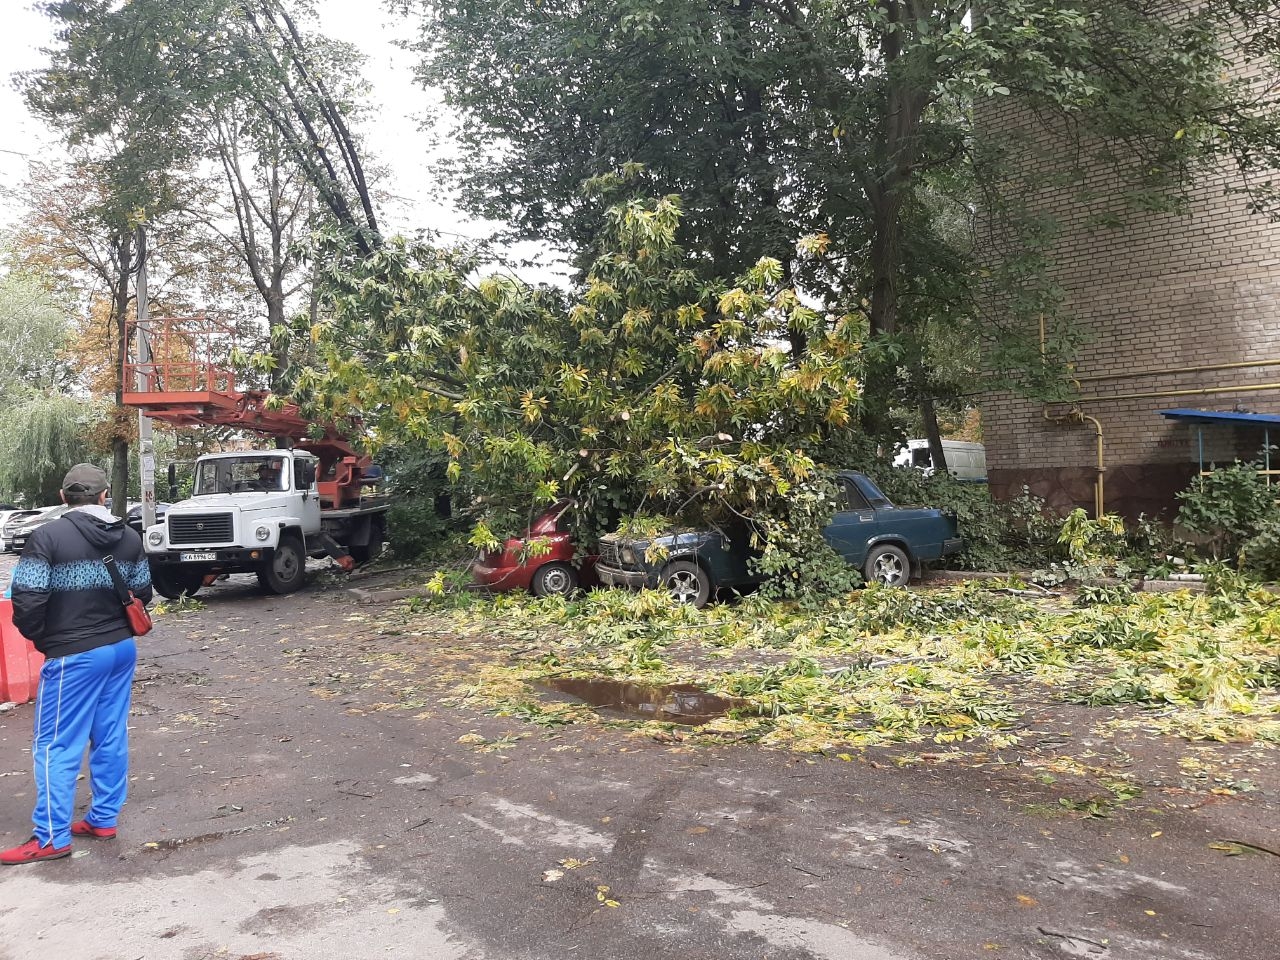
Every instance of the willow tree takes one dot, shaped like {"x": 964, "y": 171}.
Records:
{"x": 40, "y": 436}
{"x": 33, "y": 329}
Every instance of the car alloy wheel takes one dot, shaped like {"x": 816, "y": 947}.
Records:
{"x": 888, "y": 565}
{"x": 686, "y": 582}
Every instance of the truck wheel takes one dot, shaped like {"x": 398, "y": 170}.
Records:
{"x": 889, "y": 565}
{"x": 175, "y": 584}
{"x": 555, "y": 580}
{"x": 686, "y": 582}
{"x": 287, "y": 569}
{"x": 369, "y": 551}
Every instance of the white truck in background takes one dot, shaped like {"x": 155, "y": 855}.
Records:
{"x": 965, "y": 460}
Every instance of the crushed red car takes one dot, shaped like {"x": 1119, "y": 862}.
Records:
{"x": 548, "y": 568}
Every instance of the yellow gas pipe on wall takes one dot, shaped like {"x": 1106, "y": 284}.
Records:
{"x": 1076, "y": 415}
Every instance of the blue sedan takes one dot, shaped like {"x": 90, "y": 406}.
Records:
{"x": 885, "y": 542}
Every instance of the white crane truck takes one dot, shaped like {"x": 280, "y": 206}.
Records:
{"x": 252, "y": 511}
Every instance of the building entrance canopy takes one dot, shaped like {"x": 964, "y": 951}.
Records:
{"x": 1230, "y": 418}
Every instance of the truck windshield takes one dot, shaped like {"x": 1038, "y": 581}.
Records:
{"x": 240, "y": 475}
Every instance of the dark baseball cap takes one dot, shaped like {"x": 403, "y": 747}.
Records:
{"x": 85, "y": 478}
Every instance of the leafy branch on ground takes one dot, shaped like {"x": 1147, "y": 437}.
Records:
{"x": 884, "y": 666}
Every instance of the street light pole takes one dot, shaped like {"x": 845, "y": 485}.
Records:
{"x": 146, "y": 448}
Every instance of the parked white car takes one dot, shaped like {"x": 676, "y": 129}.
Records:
{"x": 18, "y": 529}
{"x": 10, "y": 520}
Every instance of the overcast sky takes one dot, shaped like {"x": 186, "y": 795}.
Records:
{"x": 395, "y": 139}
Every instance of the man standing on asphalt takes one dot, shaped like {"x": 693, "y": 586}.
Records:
{"x": 65, "y": 603}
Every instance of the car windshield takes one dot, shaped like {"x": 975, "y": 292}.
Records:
{"x": 240, "y": 475}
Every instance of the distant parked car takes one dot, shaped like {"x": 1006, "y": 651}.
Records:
{"x": 543, "y": 562}
{"x": 16, "y": 534}
{"x": 17, "y": 519}
{"x": 886, "y": 543}
{"x": 134, "y": 517}
{"x": 7, "y": 514}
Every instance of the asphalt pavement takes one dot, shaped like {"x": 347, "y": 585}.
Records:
{"x": 284, "y": 807}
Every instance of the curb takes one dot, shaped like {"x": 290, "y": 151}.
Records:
{"x": 1138, "y": 586}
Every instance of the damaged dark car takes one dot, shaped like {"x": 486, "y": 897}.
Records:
{"x": 886, "y": 543}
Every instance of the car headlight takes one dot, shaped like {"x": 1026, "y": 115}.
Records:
{"x": 628, "y": 555}
{"x": 155, "y": 538}
{"x": 263, "y": 533}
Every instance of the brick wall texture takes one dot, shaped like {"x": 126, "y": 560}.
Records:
{"x": 1160, "y": 299}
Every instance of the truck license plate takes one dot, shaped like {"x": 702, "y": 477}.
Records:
{"x": 191, "y": 557}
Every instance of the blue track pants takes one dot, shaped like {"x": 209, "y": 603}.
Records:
{"x": 83, "y": 699}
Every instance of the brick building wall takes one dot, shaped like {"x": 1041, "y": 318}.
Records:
{"x": 1159, "y": 299}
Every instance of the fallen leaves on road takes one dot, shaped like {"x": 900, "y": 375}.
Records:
{"x": 887, "y": 665}
{"x": 602, "y": 895}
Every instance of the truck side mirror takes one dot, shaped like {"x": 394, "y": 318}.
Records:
{"x": 309, "y": 475}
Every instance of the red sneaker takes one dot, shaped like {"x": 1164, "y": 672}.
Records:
{"x": 83, "y": 828}
{"x": 31, "y": 851}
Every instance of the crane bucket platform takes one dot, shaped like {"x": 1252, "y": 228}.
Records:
{"x": 174, "y": 375}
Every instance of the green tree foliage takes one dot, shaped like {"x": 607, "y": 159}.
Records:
{"x": 856, "y": 120}
{"x": 1227, "y": 507}
{"x": 651, "y": 387}
{"x": 33, "y": 333}
{"x": 40, "y": 437}
{"x": 149, "y": 77}
{"x": 39, "y": 427}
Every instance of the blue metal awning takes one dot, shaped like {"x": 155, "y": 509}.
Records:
{"x": 1200, "y": 418}
{"x": 1224, "y": 416}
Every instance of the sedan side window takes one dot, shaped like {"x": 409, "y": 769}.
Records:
{"x": 852, "y": 498}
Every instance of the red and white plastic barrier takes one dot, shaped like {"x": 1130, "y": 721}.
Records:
{"x": 20, "y": 662}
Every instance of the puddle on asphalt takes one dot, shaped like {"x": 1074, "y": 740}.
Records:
{"x": 174, "y": 843}
{"x": 672, "y": 703}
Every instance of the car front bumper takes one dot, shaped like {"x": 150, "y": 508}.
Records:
{"x": 621, "y": 577}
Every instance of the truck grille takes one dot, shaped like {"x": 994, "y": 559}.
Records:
{"x": 202, "y": 528}
{"x": 610, "y": 553}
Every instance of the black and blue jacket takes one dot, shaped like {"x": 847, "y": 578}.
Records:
{"x": 63, "y": 598}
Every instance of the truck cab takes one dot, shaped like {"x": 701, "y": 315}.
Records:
{"x": 250, "y": 511}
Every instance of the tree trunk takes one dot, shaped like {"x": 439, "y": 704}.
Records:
{"x": 897, "y": 157}
{"x": 885, "y": 257}
{"x": 275, "y": 318}
{"x": 930, "y": 417}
